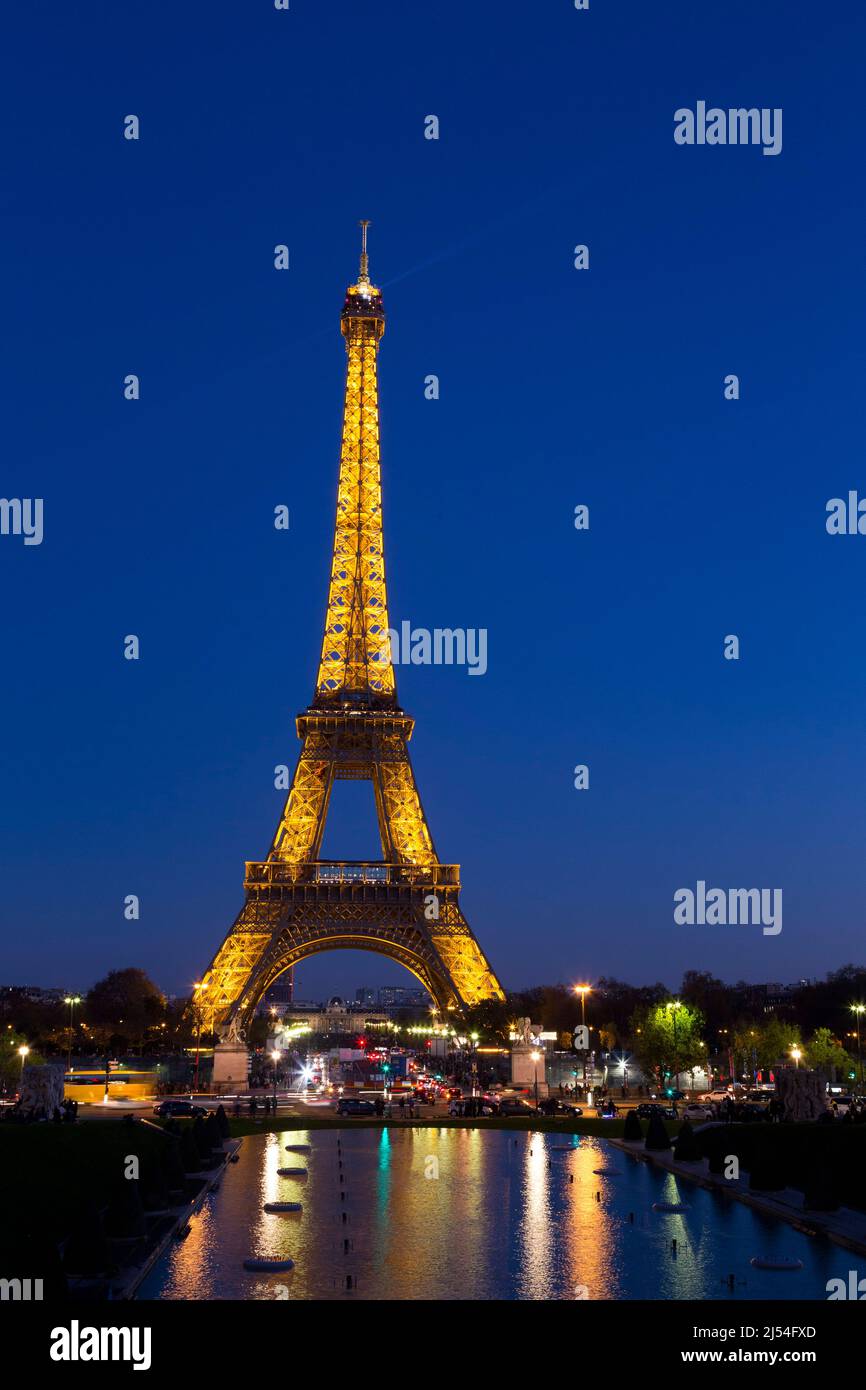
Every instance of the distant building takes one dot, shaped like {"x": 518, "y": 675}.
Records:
{"x": 35, "y": 993}
{"x": 365, "y": 997}
{"x": 337, "y": 1018}
{"x": 402, "y": 996}
{"x": 768, "y": 998}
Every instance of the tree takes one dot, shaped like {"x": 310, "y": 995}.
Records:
{"x": 623, "y": 1001}
{"x": 824, "y": 1053}
{"x": 712, "y": 996}
{"x": 748, "y": 1047}
{"x": 491, "y": 1019}
{"x": 667, "y": 1037}
{"x": 126, "y": 1003}
{"x": 259, "y": 1031}
{"x": 10, "y": 1060}
{"x": 774, "y": 1042}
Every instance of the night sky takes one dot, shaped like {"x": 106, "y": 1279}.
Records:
{"x": 558, "y": 387}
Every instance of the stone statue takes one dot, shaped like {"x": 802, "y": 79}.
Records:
{"x": 524, "y": 1032}
{"x": 41, "y": 1090}
{"x": 802, "y": 1094}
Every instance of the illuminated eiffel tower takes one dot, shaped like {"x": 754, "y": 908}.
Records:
{"x": 297, "y": 904}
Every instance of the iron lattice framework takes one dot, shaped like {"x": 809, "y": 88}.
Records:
{"x": 406, "y": 905}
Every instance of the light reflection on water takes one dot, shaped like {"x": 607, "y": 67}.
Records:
{"x": 508, "y": 1217}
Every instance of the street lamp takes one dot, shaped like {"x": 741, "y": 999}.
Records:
{"x": 536, "y": 1058}
{"x": 675, "y": 1004}
{"x": 583, "y": 991}
{"x": 796, "y": 1054}
{"x": 473, "y": 1038}
{"x": 857, "y": 1010}
{"x": 275, "y": 1057}
{"x": 71, "y": 1000}
{"x": 23, "y": 1052}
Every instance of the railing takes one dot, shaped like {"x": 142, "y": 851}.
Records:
{"x": 261, "y": 875}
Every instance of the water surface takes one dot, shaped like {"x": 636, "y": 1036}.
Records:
{"x": 477, "y": 1214}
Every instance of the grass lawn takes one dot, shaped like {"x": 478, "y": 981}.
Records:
{"x": 611, "y": 1129}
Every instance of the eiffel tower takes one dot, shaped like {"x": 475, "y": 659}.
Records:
{"x": 405, "y": 906}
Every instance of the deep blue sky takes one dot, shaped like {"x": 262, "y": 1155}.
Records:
{"x": 557, "y": 387}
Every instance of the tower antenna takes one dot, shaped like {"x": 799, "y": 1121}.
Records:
{"x": 365, "y": 266}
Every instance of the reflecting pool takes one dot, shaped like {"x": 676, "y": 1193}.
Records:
{"x": 433, "y": 1213}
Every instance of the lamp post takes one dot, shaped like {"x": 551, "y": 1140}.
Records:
{"x": 23, "y": 1052}
{"x": 536, "y": 1057}
{"x": 675, "y": 1005}
{"x": 857, "y": 1010}
{"x": 275, "y": 1057}
{"x": 71, "y": 1000}
{"x": 583, "y": 991}
{"x": 796, "y": 1054}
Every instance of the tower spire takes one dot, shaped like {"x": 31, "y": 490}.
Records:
{"x": 356, "y": 652}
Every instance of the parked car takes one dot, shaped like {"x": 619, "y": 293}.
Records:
{"x": 171, "y": 1109}
{"x": 353, "y": 1105}
{"x": 514, "y": 1106}
{"x": 666, "y": 1112}
{"x": 697, "y": 1113}
{"x": 552, "y": 1106}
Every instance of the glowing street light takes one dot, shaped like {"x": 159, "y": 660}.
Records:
{"x": 23, "y": 1052}
{"x": 796, "y": 1054}
{"x": 675, "y": 1004}
{"x": 583, "y": 991}
{"x": 536, "y": 1058}
{"x": 71, "y": 1000}
{"x": 857, "y": 1010}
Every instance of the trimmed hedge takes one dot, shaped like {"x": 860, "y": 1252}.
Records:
{"x": 657, "y": 1137}
{"x": 826, "y": 1163}
{"x": 633, "y": 1131}
{"x": 686, "y": 1147}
